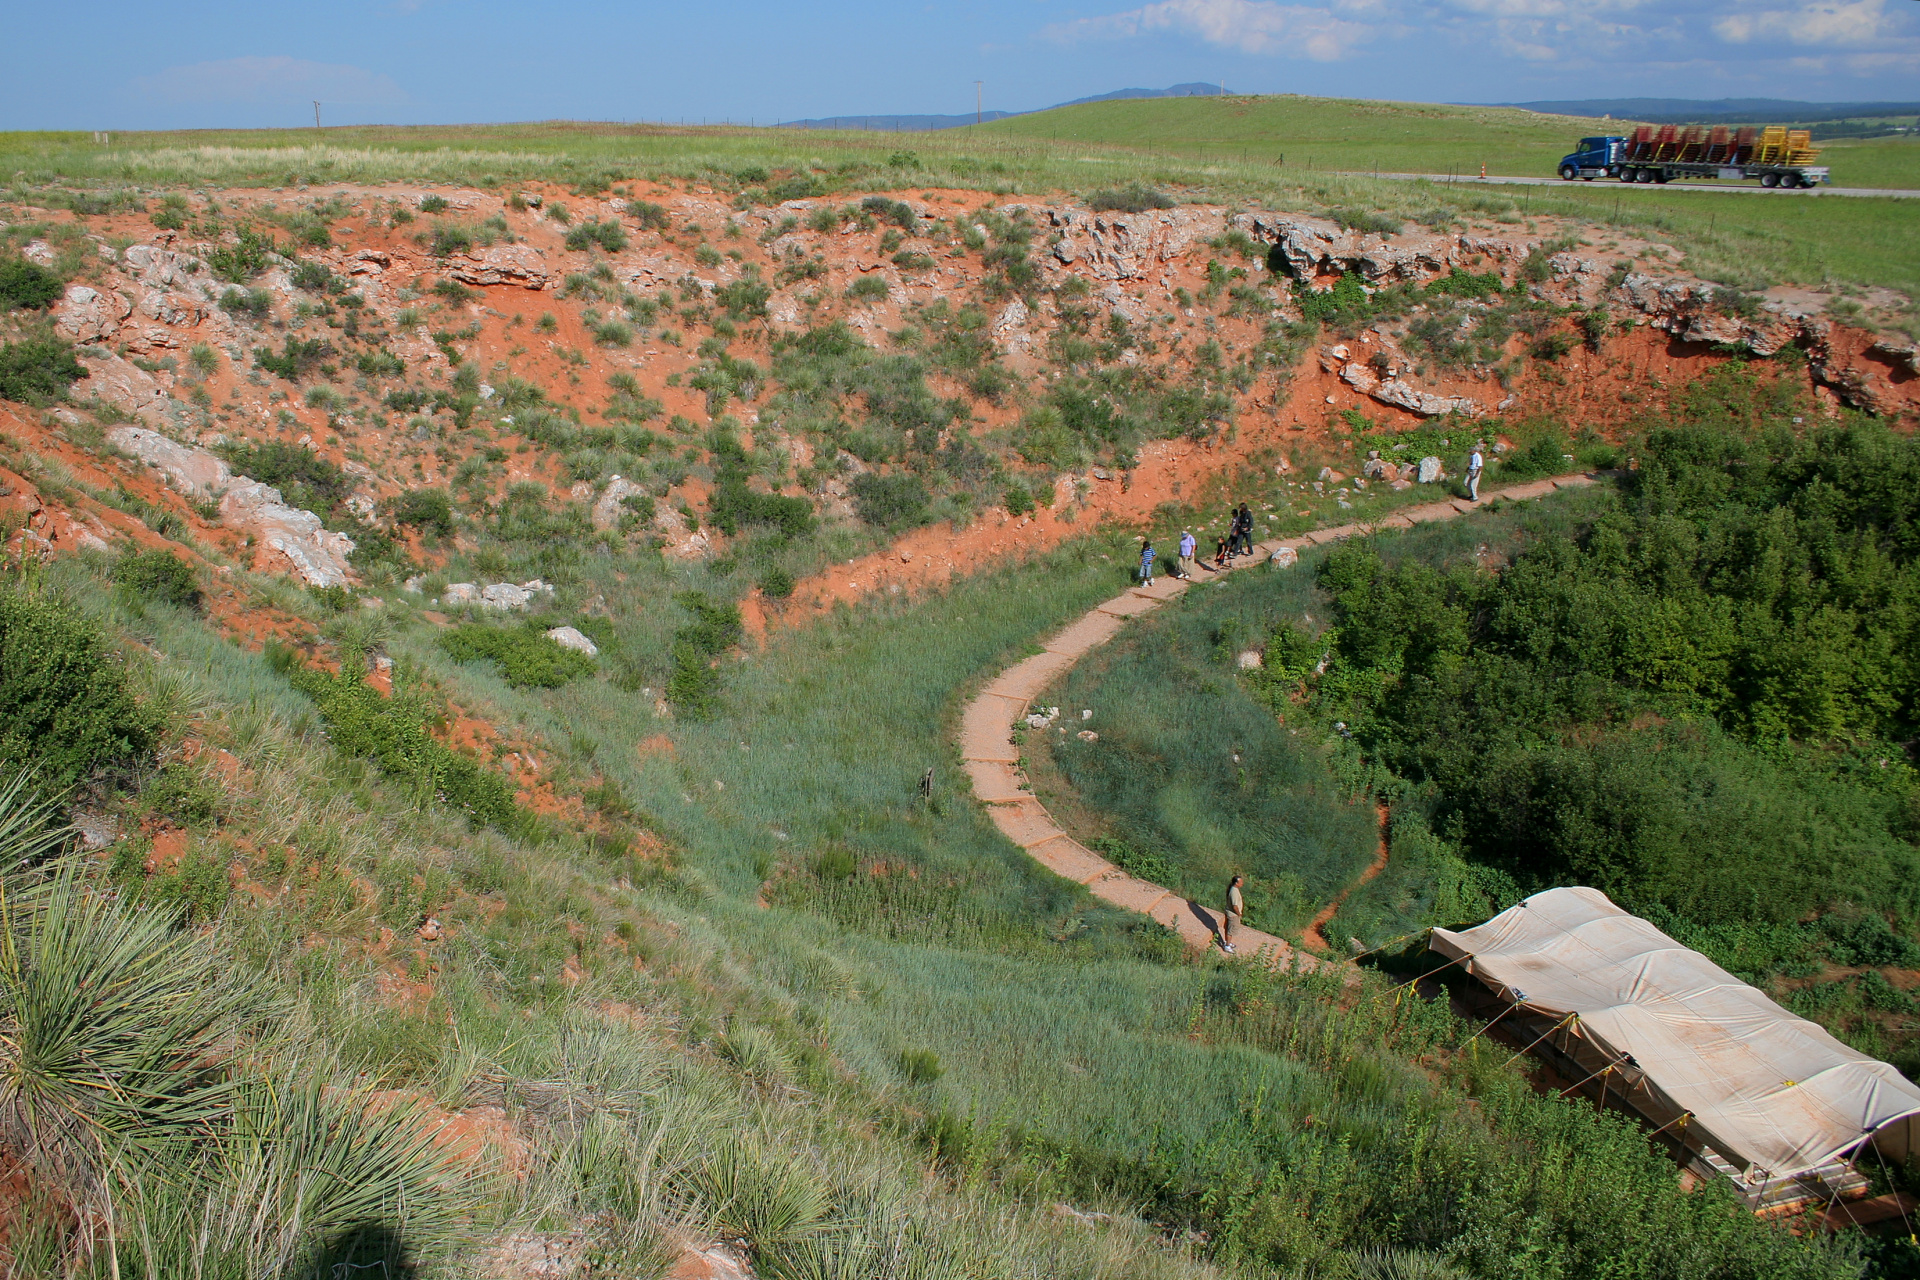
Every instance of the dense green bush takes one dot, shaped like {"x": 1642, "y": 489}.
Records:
{"x": 244, "y": 259}
{"x": 158, "y": 575}
{"x": 296, "y": 358}
{"x": 526, "y": 657}
{"x": 393, "y": 732}
{"x": 255, "y": 304}
{"x": 26, "y": 285}
{"x": 428, "y": 510}
{"x": 694, "y": 685}
{"x": 891, "y": 502}
{"x": 37, "y": 369}
{"x": 65, "y": 706}
{"x": 303, "y": 477}
{"x": 1664, "y": 706}
{"x": 610, "y": 236}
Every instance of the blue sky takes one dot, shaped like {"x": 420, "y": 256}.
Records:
{"x": 120, "y": 65}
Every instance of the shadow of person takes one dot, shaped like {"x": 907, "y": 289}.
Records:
{"x": 1205, "y": 917}
{"x": 366, "y": 1251}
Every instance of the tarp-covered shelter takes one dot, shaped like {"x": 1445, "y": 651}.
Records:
{"x": 1683, "y": 1041}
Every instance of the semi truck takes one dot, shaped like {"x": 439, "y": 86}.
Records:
{"x": 1776, "y": 155}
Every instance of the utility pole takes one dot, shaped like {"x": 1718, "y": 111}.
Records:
{"x": 976, "y": 102}
{"x": 316, "y": 113}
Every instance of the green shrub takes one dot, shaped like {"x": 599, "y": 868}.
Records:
{"x": 392, "y": 732}
{"x": 610, "y": 236}
{"x": 1367, "y": 220}
{"x": 380, "y": 364}
{"x": 254, "y": 303}
{"x": 315, "y": 278}
{"x": 428, "y": 510}
{"x": 297, "y": 357}
{"x": 453, "y": 291}
{"x": 1551, "y": 346}
{"x": 65, "y": 708}
{"x": 38, "y": 369}
{"x": 242, "y": 260}
{"x": 303, "y": 477}
{"x": 745, "y": 298}
{"x": 921, "y": 1066}
{"x": 693, "y": 688}
{"x": 25, "y": 285}
{"x": 650, "y": 216}
{"x": 1018, "y": 500}
{"x": 1133, "y": 198}
{"x": 449, "y": 239}
{"x": 526, "y": 658}
{"x": 890, "y": 502}
{"x": 172, "y": 213}
{"x": 898, "y": 212}
{"x": 204, "y": 359}
{"x": 158, "y": 575}
{"x": 868, "y": 289}
{"x": 433, "y": 204}
{"x": 613, "y": 333}
{"x": 776, "y": 584}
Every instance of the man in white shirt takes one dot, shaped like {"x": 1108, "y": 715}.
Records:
{"x": 1475, "y": 465}
{"x": 1183, "y": 566}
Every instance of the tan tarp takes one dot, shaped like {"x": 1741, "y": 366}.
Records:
{"x": 1771, "y": 1092}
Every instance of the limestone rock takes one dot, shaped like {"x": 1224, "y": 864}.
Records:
{"x": 1430, "y": 470}
{"x": 569, "y": 638}
{"x": 192, "y": 471}
{"x": 612, "y": 504}
{"x": 122, "y": 385}
{"x": 1284, "y": 558}
{"x": 1249, "y": 660}
{"x": 86, "y": 314}
{"x": 319, "y": 558}
{"x": 511, "y": 264}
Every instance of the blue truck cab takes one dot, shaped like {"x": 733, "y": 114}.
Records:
{"x": 1596, "y": 158}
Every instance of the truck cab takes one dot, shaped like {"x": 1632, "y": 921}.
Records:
{"x": 1595, "y": 158}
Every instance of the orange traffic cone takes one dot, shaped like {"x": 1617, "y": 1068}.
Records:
{"x": 1483, "y": 170}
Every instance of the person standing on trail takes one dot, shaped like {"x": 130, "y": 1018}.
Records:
{"x": 1183, "y": 566}
{"x": 1245, "y": 524}
{"x": 1146, "y": 565}
{"x": 1475, "y": 464}
{"x": 1230, "y": 918}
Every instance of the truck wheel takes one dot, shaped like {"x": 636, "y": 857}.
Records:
{"x": 1769, "y": 179}
{"x": 1789, "y": 180}
{"x": 1645, "y": 175}
{"x": 1568, "y": 173}
{"x": 1626, "y": 173}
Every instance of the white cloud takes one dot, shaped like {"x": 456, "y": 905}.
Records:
{"x": 1250, "y": 26}
{"x": 271, "y": 81}
{"x": 1824, "y": 22}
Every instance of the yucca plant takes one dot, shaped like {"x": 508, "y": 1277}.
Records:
{"x": 112, "y": 1028}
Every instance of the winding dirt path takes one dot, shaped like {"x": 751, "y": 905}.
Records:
{"x": 988, "y": 753}
{"x": 1311, "y": 935}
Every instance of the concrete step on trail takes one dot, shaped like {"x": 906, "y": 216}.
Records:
{"x": 989, "y": 755}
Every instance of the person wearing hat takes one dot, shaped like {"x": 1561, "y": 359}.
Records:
{"x": 1183, "y": 563}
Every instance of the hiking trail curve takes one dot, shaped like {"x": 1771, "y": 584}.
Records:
{"x": 991, "y": 759}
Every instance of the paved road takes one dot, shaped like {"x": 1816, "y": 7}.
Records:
{"x": 1464, "y": 180}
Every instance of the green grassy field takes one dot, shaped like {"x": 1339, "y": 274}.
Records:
{"x": 1357, "y": 136}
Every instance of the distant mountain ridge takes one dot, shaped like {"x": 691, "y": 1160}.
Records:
{"x": 1718, "y": 110}
{"x": 922, "y": 123}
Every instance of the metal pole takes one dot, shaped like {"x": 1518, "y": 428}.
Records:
{"x": 976, "y": 102}
{"x": 316, "y": 113}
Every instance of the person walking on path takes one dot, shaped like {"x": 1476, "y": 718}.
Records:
{"x": 1246, "y": 529}
{"x": 1230, "y": 918}
{"x": 1146, "y": 565}
{"x": 1183, "y": 566}
{"x": 1475, "y": 465}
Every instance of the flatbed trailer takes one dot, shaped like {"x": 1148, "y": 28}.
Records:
{"x": 1777, "y": 156}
